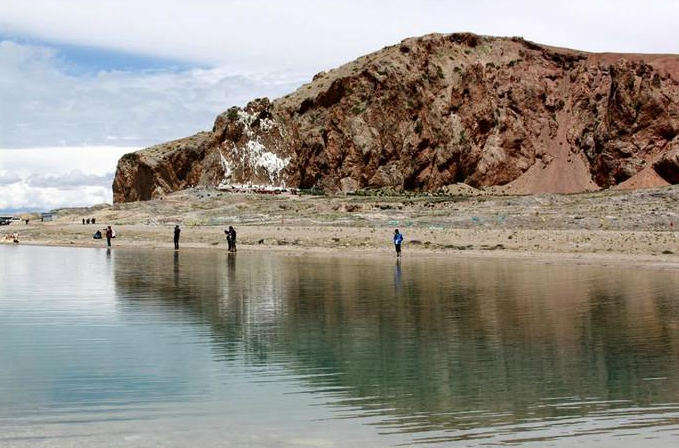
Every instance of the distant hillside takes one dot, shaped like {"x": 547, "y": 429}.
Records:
{"x": 438, "y": 110}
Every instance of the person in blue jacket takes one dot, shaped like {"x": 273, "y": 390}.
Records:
{"x": 398, "y": 239}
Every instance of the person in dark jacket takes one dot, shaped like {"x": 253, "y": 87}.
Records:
{"x": 232, "y": 233}
{"x": 398, "y": 239}
{"x": 109, "y": 235}
{"x": 228, "y": 239}
{"x": 177, "y": 231}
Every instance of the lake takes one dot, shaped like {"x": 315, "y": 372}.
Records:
{"x": 147, "y": 348}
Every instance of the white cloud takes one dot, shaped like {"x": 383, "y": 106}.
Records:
{"x": 21, "y": 196}
{"x": 318, "y": 34}
{"x": 8, "y": 178}
{"x": 77, "y": 177}
{"x": 70, "y": 181}
{"x": 41, "y": 104}
{"x": 96, "y": 160}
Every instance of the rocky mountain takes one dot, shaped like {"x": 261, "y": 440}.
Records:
{"x": 501, "y": 113}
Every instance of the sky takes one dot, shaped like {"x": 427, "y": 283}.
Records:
{"x": 84, "y": 81}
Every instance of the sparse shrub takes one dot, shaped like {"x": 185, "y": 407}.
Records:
{"x": 232, "y": 114}
{"x": 313, "y": 191}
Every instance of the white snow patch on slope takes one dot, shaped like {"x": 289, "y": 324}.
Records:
{"x": 254, "y": 153}
{"x": 261, "y": 158}
{"x": 247, "y": 119}
{"x": 226, "y": 166}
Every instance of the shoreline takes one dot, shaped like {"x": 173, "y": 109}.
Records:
{"x": 634, "y": 228}
{"x": 611, "y": 260}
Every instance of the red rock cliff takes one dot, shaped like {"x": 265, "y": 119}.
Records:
{"x": 437, "y": 110}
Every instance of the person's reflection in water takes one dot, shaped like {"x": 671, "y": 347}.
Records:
{"x": 175, "y": 268}
{"x": 108, "y": 253}
{"x": 231, "y": 266}
{"x": 397, "y": 275}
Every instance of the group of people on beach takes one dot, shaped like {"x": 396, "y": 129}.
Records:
{"x": 231, "y": 238}
{"x": 89, "y": 221}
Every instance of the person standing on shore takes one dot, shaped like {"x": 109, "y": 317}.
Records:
{"x": 228, "y": 239}
{"x": 109, "y": 235}
{"x": 232, "y": 233}
{"x": 398, "y": 239}
{"x": 177, "y": 231}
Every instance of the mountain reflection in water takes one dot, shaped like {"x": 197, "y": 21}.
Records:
{"x": 424, "y": 350}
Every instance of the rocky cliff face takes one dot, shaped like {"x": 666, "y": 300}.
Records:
{"x": 438, "y": 110}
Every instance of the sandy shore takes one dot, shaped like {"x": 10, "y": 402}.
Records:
{"x": 538, "y": 246}
{"x": 632, "y": 228}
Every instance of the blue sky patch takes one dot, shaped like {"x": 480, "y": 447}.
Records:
{"x": 82, "y": 60}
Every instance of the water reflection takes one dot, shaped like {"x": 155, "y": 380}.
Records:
{"x": 446, "y": 350}
{"x": 165, "y": 348}
{"x": 397, "y": 275}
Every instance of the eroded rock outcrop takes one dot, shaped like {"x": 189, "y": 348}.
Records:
{"x": 434, "y": 111}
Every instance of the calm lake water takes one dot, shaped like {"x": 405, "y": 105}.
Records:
{"x": 154, "y": 348}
